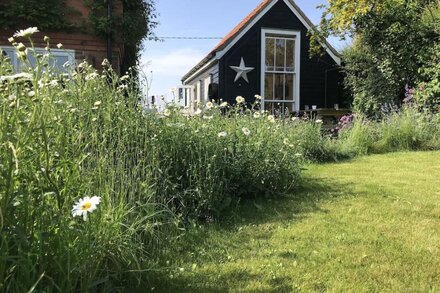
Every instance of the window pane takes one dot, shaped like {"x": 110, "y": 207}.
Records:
{"x": 289, "y": 87}
{"x": 7, "y": 53}
{"x": 270, "y": 56}
{"x": 268, "y": 86}
{"x": 269, "y": 107}
{"x": 290, "y": 53}
{"x": 280, "y": 54}
{"x": 58, "y": 62}
{"x": 279, "y": 108}
{"x": 279, "y": 87}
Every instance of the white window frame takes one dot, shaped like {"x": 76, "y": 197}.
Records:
{"x": 70, "y": 54}
{"x": 199, "y": 93}
{"x": 207, "y": 82}
{"x": 12, "y": 55}
{"x": 186, "y": 95}
{"x": 296, "y": 72}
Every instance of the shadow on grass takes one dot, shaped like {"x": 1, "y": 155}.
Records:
{"x": 211, "y": 243}
{"x": 304, "y": 200}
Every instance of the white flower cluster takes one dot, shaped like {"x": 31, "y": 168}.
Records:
{"x": 26, "y": 33}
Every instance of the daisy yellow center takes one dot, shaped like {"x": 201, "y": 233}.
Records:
{"x": 86, "y": 206}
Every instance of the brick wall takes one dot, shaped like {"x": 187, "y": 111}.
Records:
{"x": 87, "y": 47}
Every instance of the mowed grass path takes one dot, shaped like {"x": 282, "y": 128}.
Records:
{"x": 367, "y": 225}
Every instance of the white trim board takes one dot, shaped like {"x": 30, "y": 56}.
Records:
{"x": 70, "y": 54}
{"x": 297, "y": 79}
{"x": 200, "y": 70}
{"x": 295, "y": 9}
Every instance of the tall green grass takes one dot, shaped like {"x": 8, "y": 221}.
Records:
{"x": 405, "y": 130}
{"x": 64, "y": 136}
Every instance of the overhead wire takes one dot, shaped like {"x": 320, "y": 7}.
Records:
{"x": 189, "y": 38}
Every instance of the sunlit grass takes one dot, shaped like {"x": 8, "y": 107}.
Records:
{"x": 371, "y": 225}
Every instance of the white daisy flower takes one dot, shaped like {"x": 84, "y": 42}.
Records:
{"x": 60, "y": 46}
{"x": 46, "y": 39}
{"x": 257, "y": 97}
{"x": 22, "y": 55}
{"x": 21, "y": 47}
{"x": 97, "y": 103}
{"x": 166, "y": 113}
{"x": 319, "y": 121}
{"x": 198, "y": 112}
{"x": 287, "y": 143}
{"x": 222, "y": 134}
{"x": 26, "y": 32}
{"x": 271, "y": 118}
{"x": 240, "y": 100}
{"x": 246, "y": 131}
{"x": 224, "y": 105}
{"x": 85, "y": 205}
{"x": 11, "y": 40}
{"x": 31, "y": 94}
{"x": 91, "y": 76}
{"x": 209, "y": 105}
{"x": 23, "y": 76}
{"x": 257, "y": 115}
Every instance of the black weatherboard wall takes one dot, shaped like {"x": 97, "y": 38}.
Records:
{"x": 313, "y": 70}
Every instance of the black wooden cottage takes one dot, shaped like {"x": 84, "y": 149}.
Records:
{"x": 267, "y": 54}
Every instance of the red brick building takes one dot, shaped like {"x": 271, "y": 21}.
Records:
{"x": 78, "y": 44}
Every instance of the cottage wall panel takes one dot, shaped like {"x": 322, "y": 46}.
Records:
{"x": 313, "y": 70}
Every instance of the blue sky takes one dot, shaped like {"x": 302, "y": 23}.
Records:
{"x": 171, "y": 59}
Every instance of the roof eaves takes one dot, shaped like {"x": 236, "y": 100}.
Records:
{"x": 199, "y": 65}
{"x": 241, "y": 26}
{"x": 230, "y": 36}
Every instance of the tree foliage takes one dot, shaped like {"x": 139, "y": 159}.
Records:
{"x": 131, "y": 28}
{"x": 389, "y": 52}
{"x": 46, "y": 14}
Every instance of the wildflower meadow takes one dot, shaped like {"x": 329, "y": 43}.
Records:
{"x": 93, "y": 185}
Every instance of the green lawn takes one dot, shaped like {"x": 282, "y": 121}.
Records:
{"x": 368, "y": 225}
